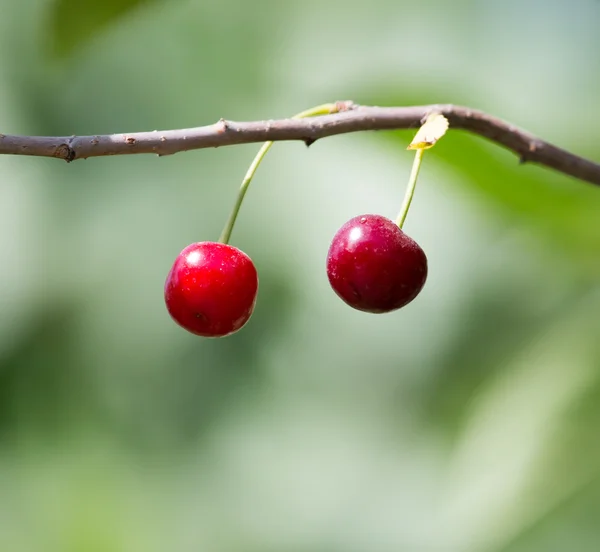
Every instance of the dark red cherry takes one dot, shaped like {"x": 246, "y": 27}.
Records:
{"x": 374, "y": 266}
{"x": 211, "y": 289}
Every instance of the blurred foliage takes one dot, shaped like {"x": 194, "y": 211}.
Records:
{"x": 73, "y": 23}
{"x": 463, "y": 423}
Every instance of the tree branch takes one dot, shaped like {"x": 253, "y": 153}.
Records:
{"x": 351, "y": 118}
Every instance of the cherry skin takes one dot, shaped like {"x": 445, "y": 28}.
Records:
{"x": 374, "y": 266}
{"x": 211, "y": 289}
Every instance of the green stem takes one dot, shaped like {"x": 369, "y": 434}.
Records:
{"x": 324, "y": 109}
{"x": 410, "y": 190}
{"x": 226, "y": 234}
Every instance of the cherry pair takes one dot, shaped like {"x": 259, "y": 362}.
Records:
{"x": 372, "y": 265}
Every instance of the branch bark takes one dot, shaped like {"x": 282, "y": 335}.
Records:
{"x": 351, "y": 118}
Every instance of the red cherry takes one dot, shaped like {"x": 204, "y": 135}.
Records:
{"x": 211, "y": 289}
{"x": 374, "y": 266}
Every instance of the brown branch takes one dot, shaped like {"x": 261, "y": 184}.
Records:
{"x": 351, "y": 118}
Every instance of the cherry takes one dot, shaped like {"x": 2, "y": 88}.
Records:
{"x": 374, "y": 266}
{"x": 211, "y": 289}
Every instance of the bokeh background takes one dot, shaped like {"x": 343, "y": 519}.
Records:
{"x": 467, "y": 422}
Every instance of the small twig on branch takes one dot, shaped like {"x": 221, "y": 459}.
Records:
{"x": 352, "y": 118}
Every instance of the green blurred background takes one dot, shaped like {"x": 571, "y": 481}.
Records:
{"x": 467, "y": 422}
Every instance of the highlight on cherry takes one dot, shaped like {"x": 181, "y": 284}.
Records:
{"x": 372, "y": 265}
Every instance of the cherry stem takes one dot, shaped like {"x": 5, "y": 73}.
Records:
{"x": 324, "y": 109}
{"x": 410, "y": 190}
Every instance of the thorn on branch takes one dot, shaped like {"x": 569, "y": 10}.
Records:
{"x": 309, "y": 141}
{"x": 222, "y": 126}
